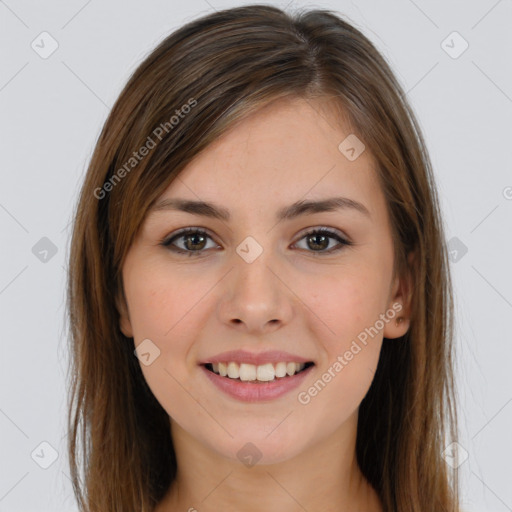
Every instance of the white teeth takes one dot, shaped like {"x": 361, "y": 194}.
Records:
{"x": 280, "y": 369}
{"x": 250, "y": 372}
{"x": 233, "y": 370}
{"x": 247, "y": 371}
{"x": 223, "y": 369}
{"x": 290, "y": 368}
{"x": 266, "y": 372}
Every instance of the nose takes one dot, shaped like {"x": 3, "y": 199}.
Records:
{"x": 256, "y": 297}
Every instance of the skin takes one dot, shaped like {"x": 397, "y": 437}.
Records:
{"x": 290, "y": 298}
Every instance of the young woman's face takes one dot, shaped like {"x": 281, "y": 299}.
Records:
{"x": 259, "y": 283}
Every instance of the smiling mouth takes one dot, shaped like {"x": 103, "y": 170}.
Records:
{"x": 261, "y": 374}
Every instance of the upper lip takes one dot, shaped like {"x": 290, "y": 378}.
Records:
{"x": 243, "y": 356}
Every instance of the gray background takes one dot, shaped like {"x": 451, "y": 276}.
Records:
{"x": 52, "y": 110}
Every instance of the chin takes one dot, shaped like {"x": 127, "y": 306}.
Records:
{"x": 256, "y": 447}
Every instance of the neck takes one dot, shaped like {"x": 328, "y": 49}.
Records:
{"x": 324, "y": 477}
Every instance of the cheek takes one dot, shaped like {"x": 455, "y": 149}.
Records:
{"x": 345, "y": 311}
{"x": 163, "y": 309}
{"x": 345, "y": 304}
{"x": 162, "y": 302}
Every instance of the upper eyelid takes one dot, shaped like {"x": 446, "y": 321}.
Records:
{"x": 187, "y": 231}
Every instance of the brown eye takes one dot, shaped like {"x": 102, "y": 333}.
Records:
{"x": 197, "y": 241}
{"x": 194, "y": 241}
{"x": 319, "y": 239}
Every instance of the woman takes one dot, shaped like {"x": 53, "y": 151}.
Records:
{"x": 259, "y": 296}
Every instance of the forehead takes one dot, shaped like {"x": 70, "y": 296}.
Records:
{"x": 286, "y": 151}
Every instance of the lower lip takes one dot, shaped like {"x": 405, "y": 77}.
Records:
{"x": 257, "y": 391}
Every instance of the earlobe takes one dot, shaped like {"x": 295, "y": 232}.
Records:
{"x": 125, "y": 325}
{"x": 400, "y": 303}
{"x": 396, "y": 327}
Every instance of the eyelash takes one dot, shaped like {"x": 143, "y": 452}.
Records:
{"x": 167, "y": 242}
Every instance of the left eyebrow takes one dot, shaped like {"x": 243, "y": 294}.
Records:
{"x": 292, "y": 211}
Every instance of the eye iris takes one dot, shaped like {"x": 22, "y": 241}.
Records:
{"x": 316, "y": 236}
{"x": 194, "y": 236}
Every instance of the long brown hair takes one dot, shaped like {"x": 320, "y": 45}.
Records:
{"x": 195, "y": 85}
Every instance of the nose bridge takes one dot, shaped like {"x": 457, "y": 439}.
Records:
{"x": 253, "y": 263}
{"x": 256, "y": 294}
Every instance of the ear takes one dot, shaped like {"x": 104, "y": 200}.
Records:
{"x": 124, "y": 317}
{"x": 400, "y": 301}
